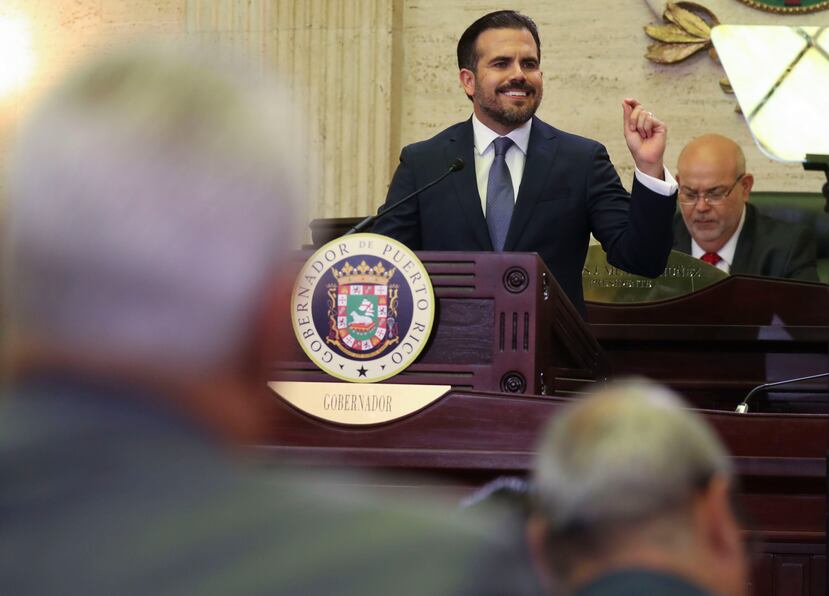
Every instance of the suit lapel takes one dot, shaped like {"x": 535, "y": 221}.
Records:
{"x": 541, "y": 151}
{"x": 466, "y": 185}
{"x": 742, "y": 255}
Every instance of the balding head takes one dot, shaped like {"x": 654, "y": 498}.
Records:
{"x": 713, "y": 150}
{"x": 625, "y": 478}
{"x": 714, "y": 166}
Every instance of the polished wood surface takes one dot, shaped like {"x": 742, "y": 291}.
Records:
{"x": 470, "y": 437}
{"x": 714, "y": 345}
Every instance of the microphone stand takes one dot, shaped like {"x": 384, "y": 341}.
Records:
{"x": 742, "y": 408}
{"x": 454, "y": 167}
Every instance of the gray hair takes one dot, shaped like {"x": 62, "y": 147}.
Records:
{"x": 631, "y": 453}
{"x": 151, "y": 198}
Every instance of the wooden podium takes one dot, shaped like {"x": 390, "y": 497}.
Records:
{"x": 514, "y": 351}
{"x": 502, "y": 324}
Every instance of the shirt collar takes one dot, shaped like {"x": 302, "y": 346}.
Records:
{"x": 485, "y": 135}
{"x": 729, "y": 248}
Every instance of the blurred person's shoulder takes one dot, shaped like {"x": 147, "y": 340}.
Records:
{"x": 415, "y": 544}
{"x": 120, "y": 496}
{"x": 634, "y": 582}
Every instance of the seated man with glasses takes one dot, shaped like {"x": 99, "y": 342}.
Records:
{"x": 719, "y": 226}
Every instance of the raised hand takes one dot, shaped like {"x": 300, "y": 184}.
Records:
{"x": 646, "y": 137}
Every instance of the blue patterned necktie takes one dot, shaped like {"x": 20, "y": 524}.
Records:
{"x": 500, "y": 199}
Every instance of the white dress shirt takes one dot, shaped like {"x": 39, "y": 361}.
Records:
{"x": 516, "y": 157}
{"x": 726, "y": 252}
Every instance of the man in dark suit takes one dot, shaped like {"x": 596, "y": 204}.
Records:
{"x": 633, "y": 496}
{"x": 717, "y": 224}
{"x": 528, "y": 186}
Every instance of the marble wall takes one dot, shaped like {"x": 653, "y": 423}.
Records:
{"x": 372, "y": 75}
{"x": 592, "y": 57}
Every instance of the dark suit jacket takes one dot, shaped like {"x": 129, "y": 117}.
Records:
{"x": 766, "y": 246}
{"x": 569, "y": 189}
{"x": 106, "y": 490}
{"x": 638, "y": 582}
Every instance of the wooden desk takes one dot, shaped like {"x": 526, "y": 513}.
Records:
{"x": 470, "y": 437}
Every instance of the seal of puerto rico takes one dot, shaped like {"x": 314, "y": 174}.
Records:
{"x": 362, "y": 307}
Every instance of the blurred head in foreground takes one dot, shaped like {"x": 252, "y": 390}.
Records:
{"x": 151, "y": 199}
{"x": 151, "y": 205}
{"x": 632, "y": 486}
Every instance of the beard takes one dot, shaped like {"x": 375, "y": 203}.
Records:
{"x": 506, "y": 113}
{"x": 715, "y": 229}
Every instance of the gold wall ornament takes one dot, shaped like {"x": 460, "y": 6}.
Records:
{"x": 788, "y": 6}
{"x": 686, "y": 30}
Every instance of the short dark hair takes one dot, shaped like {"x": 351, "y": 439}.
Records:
{"x": 500, "y": 19}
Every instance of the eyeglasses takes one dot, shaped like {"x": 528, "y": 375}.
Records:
{"x": 711, "y": 197}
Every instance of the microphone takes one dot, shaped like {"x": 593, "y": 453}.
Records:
{"x": 455, "y": 166}
{"x": 742, "y": 408}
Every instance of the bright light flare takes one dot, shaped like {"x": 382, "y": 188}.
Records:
{"x": 16, "y": 56}
{"x": 781, "y": 78}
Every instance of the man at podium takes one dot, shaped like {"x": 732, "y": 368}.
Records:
{"x": 528, "y": 186}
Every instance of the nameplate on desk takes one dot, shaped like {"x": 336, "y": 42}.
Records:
{"x": 357, "y": 403}
{"x": 602, "y": 282}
